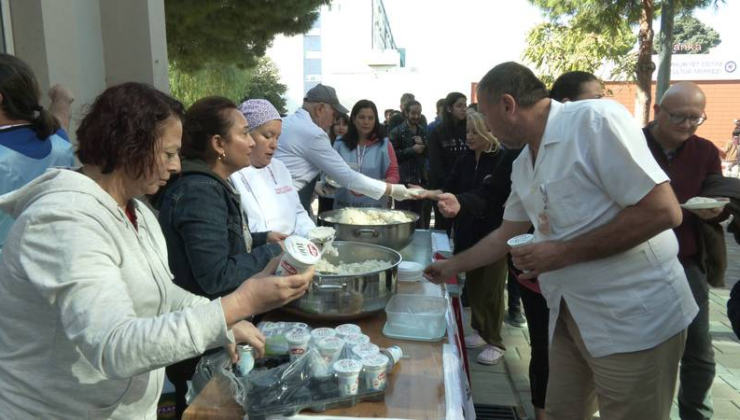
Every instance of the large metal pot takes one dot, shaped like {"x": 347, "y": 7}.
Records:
{"x": 396, "y": 236}
{"x": 341, "y": 297}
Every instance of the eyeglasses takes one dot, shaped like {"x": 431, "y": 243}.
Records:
{"x": 678, "y": 119}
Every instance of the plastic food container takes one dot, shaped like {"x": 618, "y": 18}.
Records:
{"x": 418, "y": 316}
{"x": 298, "y": 255}
{"x": 410, "y": 271}
{"x": 330, "y": 348}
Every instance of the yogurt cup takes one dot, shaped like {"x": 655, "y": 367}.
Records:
{"x": 298, "y": 255}
{"x": 394, "y": 354}
{"x": 319, "y": 334}
{"x": 356, "y": 339}
{"x": 347, "y": 329}
{"x": 348, "y": 373}
{"x": 375, "y": 368}
{"x": 520, "y": 240}
{"x": 363, "y": 350}
{"x": 330, "y": 348}
{"x": 298, "y": 340}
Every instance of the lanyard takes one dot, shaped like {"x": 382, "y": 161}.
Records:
{"x": 360, "y": 157}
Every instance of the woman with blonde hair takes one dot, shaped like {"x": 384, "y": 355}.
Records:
{"x": 485, "y": 285}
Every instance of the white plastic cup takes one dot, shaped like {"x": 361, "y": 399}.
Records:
{"x": 298, "y": 255}
{"x": 363, "y": 350}
{"x": 298, "y": 340}
{"x": 319, "y": 334}
{"x": 347, "y": 329}
{"x": 330, "y": 348}
{"x": 348, "y": 373}
{"x": 394, "y": 354}
{"x": 356, "y": 339}
{"x": 375, "y": 367}
{"x": 520, "y": 240}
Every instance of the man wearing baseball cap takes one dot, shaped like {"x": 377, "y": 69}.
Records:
{"x": 306, "y": 150}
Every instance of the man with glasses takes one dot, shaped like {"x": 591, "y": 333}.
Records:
{"x": 688, "y": 159}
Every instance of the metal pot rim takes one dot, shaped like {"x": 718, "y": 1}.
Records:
{"x": 390, "y": 251}
{"x": 329, "y": 213}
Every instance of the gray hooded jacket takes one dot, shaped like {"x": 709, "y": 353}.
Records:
{"x": 90, "y": 315}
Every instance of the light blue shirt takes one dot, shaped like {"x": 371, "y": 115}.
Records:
{"x": 23, "y": 157}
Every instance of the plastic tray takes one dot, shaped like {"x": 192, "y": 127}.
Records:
{"x": 317, "y": 395}
{"x": 435, "y": 336}
{"x": 416, "y": 315}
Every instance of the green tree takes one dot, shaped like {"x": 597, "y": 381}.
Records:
{"x": 692, "y": 36}
{"x": 556, "y": 48}
{"x": 231, "y": 31}
{"x": 608, "y": 19}
{"x": 230, "y": 81}
{"x": 265, "y": 83}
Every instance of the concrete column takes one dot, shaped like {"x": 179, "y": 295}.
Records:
{"x": 88, "y": 45}
{"x": 134, "y": 40}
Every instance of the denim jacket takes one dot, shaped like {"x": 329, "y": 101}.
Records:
{"x": 206, "y": 232}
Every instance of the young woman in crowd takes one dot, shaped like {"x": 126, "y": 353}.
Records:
{"x": 367, "y": 152}
{"x": 485, "y": 285}
{"x": 32, "y": 138}
{"x": 446, "y": 143}
{"x": 211, "y": 249}
{"x": 90, "y": 312}
{"x": 265, "y": 187}
{"x": 325, "y": 191}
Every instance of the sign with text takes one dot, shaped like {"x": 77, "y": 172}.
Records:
{"x": 701, "y": 67}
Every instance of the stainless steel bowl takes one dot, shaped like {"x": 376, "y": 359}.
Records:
{"x": 396, "y": 236}
{"x": 342, "y": 297}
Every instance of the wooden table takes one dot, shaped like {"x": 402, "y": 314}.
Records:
{"x": 415, "y": 386}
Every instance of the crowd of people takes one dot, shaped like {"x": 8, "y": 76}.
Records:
{"x": 162, "y": 245}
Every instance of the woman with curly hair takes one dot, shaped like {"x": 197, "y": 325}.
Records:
{"x": 90, "y": 313}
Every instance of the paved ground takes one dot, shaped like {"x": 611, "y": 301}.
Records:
{"x": 508, "y": 383}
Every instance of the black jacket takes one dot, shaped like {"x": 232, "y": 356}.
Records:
{"x": 482, "y": 190}
{"x": 204, "y": 226}
{"x": 443, "y": 148}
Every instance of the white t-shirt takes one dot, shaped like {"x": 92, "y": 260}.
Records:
{"x": 270, "y": 200}
{"x": 306, "y": 150}
{"x": 593, "y": 162}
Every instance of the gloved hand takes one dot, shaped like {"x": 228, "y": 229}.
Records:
{"x": 400, "y": 192}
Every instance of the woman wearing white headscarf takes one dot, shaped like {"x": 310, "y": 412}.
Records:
{"x": 266, "y": 187}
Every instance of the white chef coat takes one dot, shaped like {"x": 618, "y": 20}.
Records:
{"x": 593, "y": 162}
{"x": 270, "y": 200}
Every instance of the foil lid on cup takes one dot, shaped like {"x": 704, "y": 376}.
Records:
{"x": 520, "y": 240}
{"x": 347, "y": 367}
{"x": 347, "y": 329}
{"x": 356, "y": 339}
{"x": 302, "y": 250}
{"x": 320, "y": 333}
{"x": 297, "y": 335}
{"x": 330, "y": 345}
{"x": 376, "y": 361}
{"x": 362, "y": 350}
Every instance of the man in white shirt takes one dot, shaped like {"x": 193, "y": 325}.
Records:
{"x": 306, "y": 150}
{"x": 603, "y": 250}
